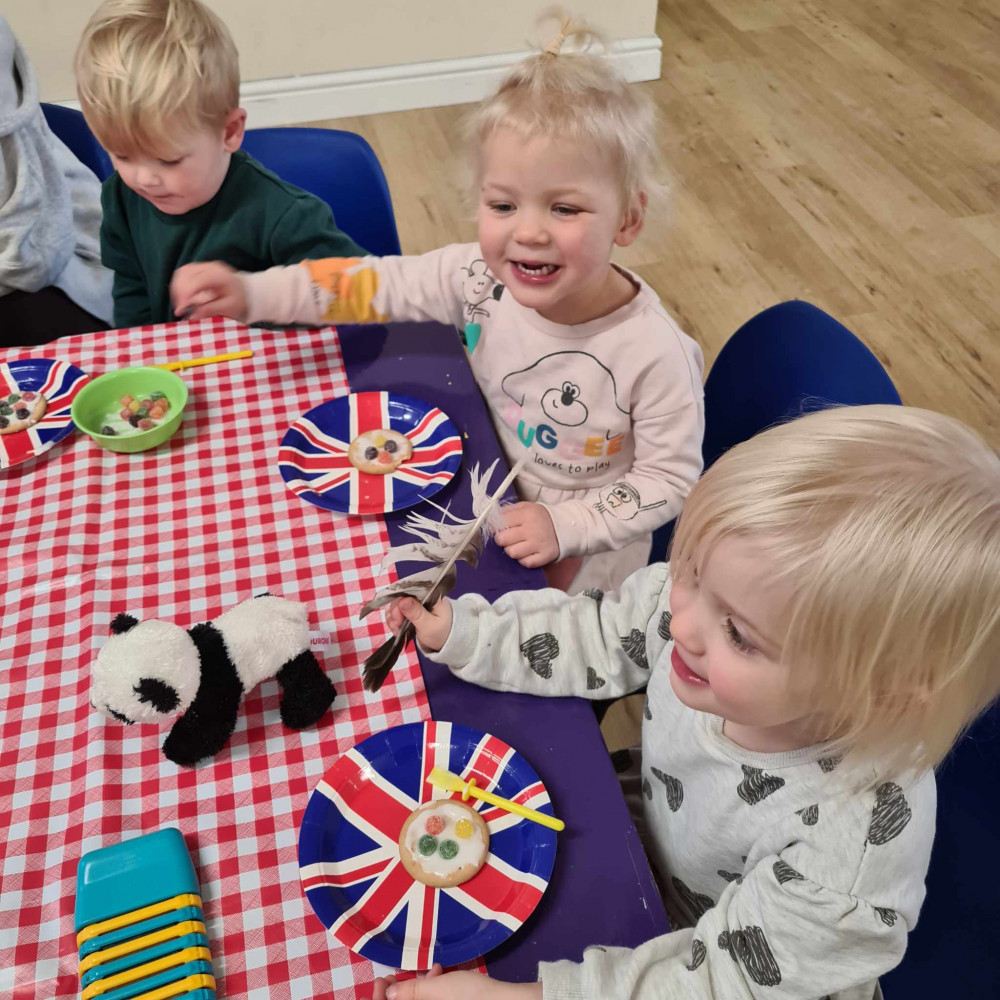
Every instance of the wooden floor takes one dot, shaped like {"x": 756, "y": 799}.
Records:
{"x": 846, "y": 152}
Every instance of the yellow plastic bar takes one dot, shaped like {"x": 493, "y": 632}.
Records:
{"x": 200, "y": 981}
{"x": 543, "y": 819}
{"x": 137, "y": 944}
{"x": 173, "y": 366}
{"x": 149, "y": 969}
{"x": 134, "y": 916}
{"x": 449, "y": 782}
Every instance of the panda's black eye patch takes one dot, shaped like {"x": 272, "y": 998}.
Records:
{"x": 120, "y": 717}
{"x": 157, "y": 693}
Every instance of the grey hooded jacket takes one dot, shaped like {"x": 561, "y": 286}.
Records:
{"x": 50, "y": 203}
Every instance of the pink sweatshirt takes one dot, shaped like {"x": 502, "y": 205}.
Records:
{"x": 611, "y": 410}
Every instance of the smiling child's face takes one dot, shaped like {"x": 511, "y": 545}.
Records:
{"x": 189, "y": 174}
{"x": 728, "y": 623}
{"x": 549, "y": 214}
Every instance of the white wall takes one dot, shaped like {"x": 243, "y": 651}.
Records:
{"x": 330, "y": 40}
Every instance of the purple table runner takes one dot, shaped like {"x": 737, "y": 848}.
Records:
{"x": 601, "y": 891}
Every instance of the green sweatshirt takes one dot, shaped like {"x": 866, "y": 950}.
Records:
{"x": 254, "y": 221}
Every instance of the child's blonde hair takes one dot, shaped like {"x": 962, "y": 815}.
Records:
{"x": 884, "y": 522}
{"x": 575, "y": 95}
{"x": 149, "y": 69}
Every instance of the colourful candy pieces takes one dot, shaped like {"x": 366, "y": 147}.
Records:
{"x": 448, "y": 849}
{"x": 464, "y": 829}
{"x": 143, "y": 412}
{"x": 434, "y": 825}
{"x": 29, "y": 397}
{"x": 427, "y": 845}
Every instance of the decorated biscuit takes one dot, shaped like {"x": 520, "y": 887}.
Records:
{"x": 21, "y": 410}
{"x": 444, "y": 843}
{"x": 379, "y": 452}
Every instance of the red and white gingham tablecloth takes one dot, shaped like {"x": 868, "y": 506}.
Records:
{"x": 182, "y": 533}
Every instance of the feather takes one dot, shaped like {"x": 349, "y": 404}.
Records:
{"x": 418, "y": 585}
{"x": 439, "y": 539}
{"x": 378, "y": 665}
{"x": 446, "y": 544}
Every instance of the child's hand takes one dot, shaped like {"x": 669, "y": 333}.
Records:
{"x": 212, "y": 289}
{"x": 454, "y": 986}
{"x": 382, "y": 984}
{"x": 433, "y": 627}
{"x": 528, "y": 535}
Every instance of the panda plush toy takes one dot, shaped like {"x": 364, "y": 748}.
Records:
{"x": 152, "y": 671}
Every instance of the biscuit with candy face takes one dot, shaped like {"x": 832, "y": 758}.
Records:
{"x": 379, "y": 452}
{"x": 444, "y": 843}
{"x": 21, "y": 410}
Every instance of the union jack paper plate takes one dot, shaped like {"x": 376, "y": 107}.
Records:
{"x": 349, "y": 848}
{"x": 314, "y": 463}
{"x": 58, "y": 382}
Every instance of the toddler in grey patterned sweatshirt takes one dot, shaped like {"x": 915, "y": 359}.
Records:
{"x": 820, "y": 638}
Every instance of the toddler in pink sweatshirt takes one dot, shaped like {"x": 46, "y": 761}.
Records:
{"x": 577, "y": 359}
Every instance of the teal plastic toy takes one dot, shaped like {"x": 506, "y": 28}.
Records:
{"x": 140, "y": 923}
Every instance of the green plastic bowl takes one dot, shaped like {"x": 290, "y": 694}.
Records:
{"x": 101, "y": 396}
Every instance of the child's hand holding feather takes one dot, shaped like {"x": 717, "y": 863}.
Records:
{"x": 442, "y": 542}
{"x": 432, "y": 627}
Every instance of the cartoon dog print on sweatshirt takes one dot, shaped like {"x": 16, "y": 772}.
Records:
{"x": 563, "y": 388}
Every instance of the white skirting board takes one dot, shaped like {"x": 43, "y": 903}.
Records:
{"x": 349, "y": 93}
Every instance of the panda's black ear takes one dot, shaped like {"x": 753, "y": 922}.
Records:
{"x": 122, "y": 623}
{"x": 157, "y": 693}
{"x": 497, "y": 291}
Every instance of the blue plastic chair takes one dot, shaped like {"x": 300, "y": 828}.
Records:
{"x": 339, "y": 167}
{"x": 786, "y": 361}
{"x": 953, "y": 950}
{"x": 72, "y": 129}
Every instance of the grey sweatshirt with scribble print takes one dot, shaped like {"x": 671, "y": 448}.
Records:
{"x": 792, "y": 881}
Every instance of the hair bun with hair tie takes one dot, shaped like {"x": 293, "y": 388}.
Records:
{"x": 565, "y": 30}
{"x": 554, "y": 47}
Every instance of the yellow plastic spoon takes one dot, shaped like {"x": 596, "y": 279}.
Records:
{"x": 448, "y": 782}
